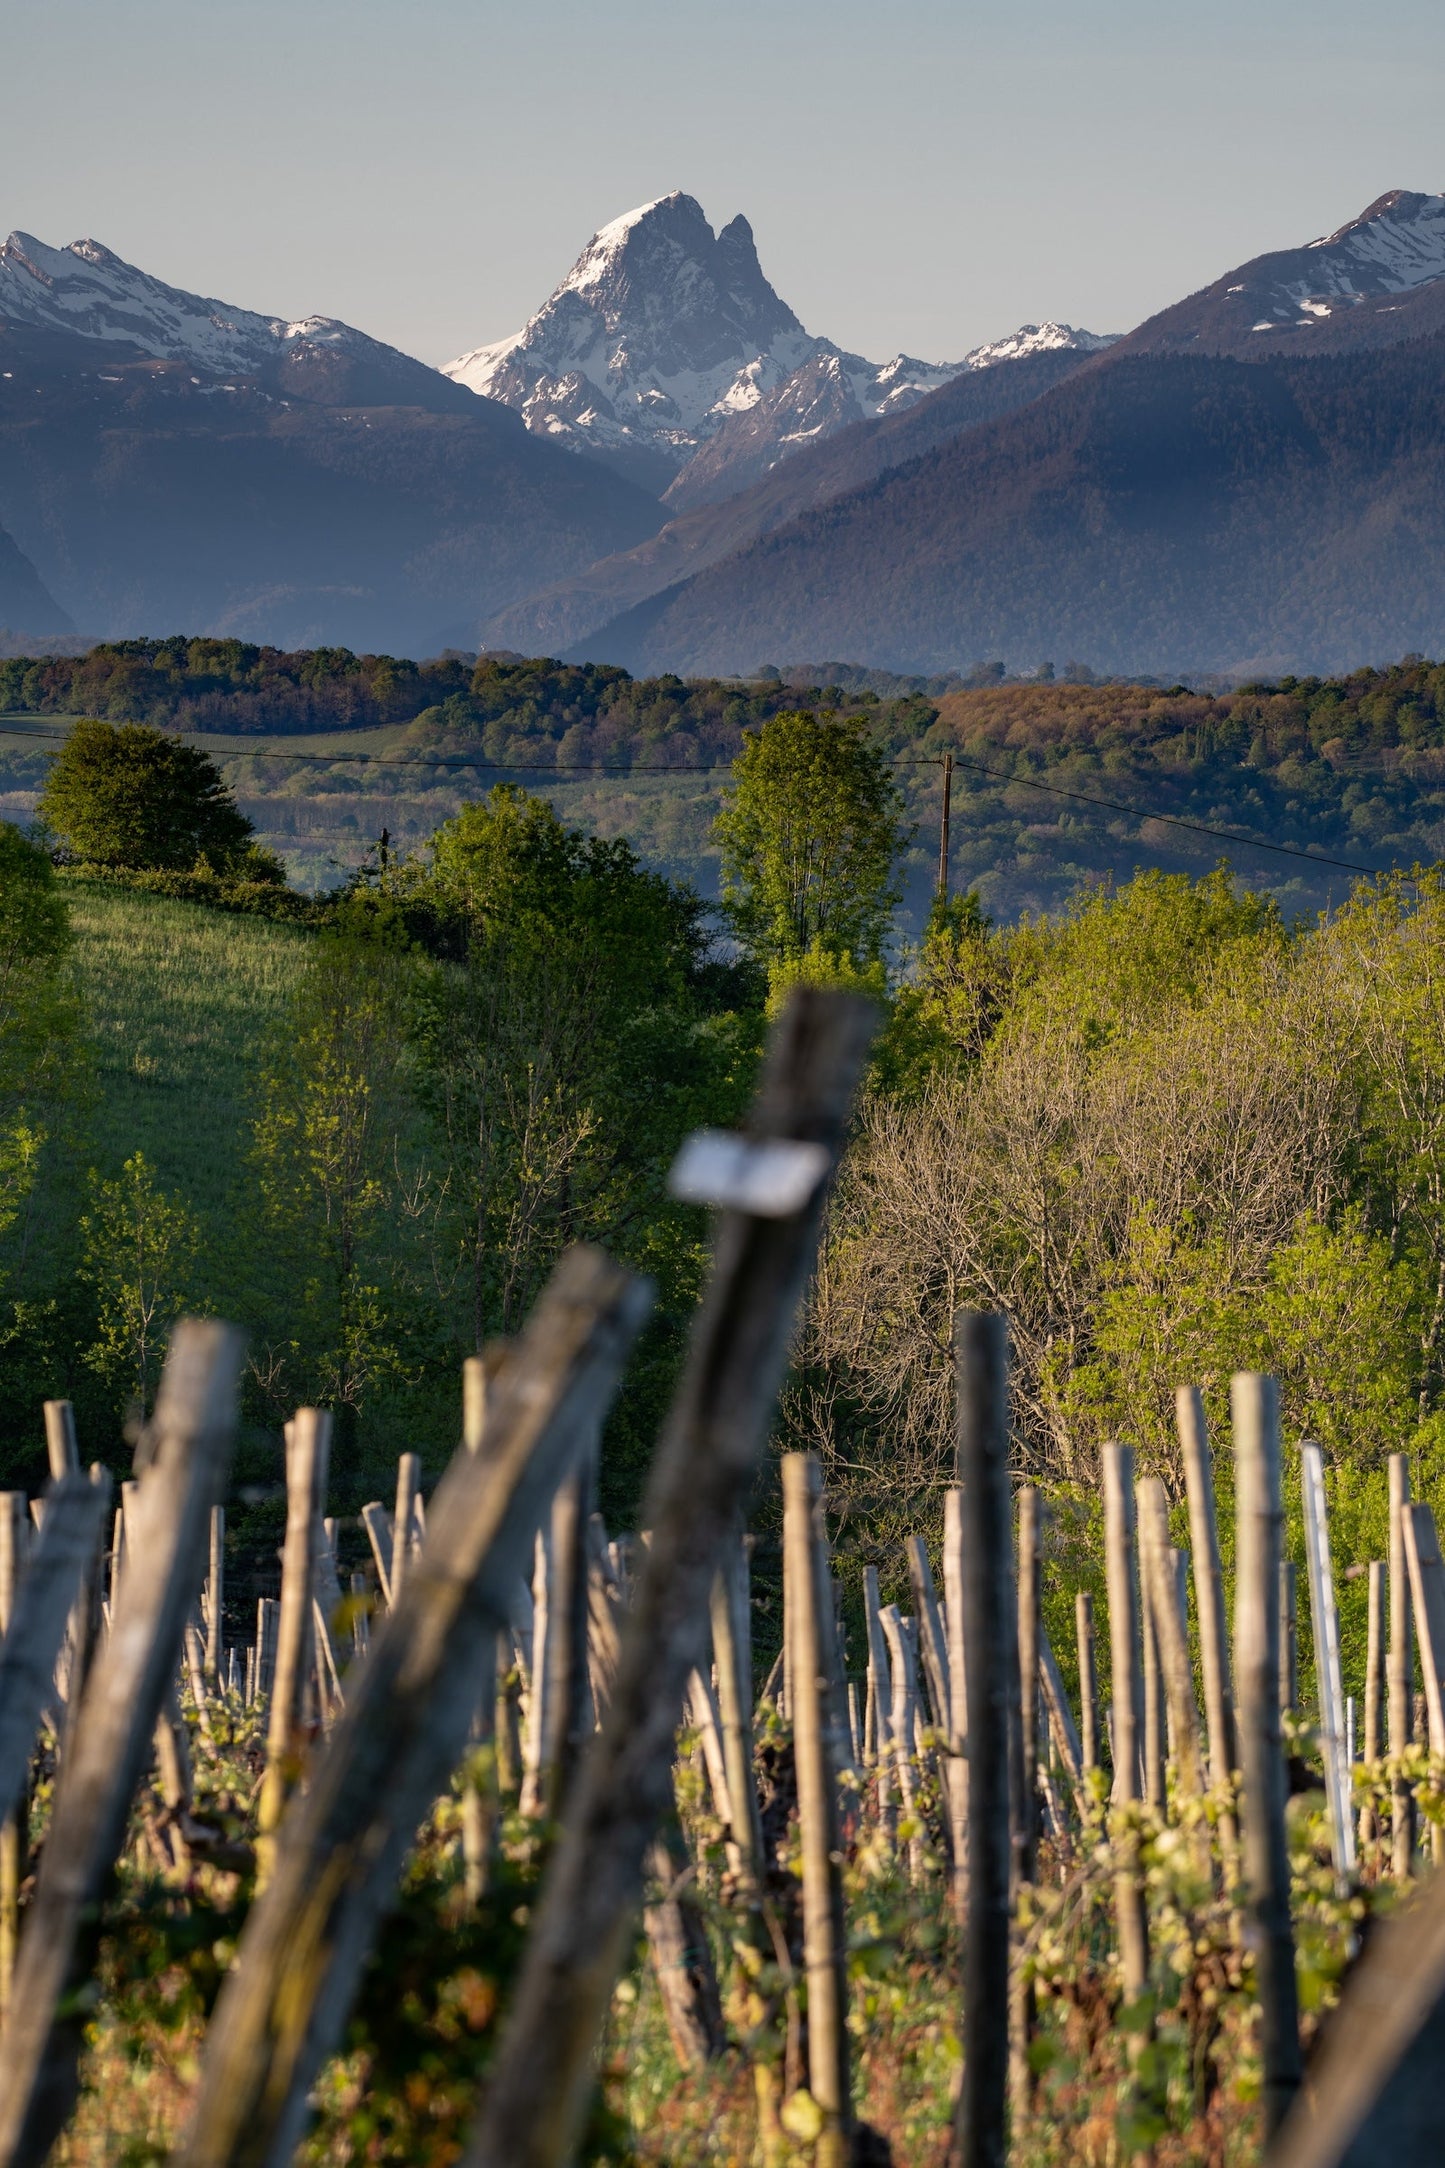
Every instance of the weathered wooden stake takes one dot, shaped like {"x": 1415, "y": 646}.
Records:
{"x": 13, "y": 1829}
{"x": 732, "y": 1652}
{"x": 408, "y": 1478}
{"x": 957, "y": 1695}
{"x": 1401, "y": 1671}
{"x": 1259, "y": 1526}
{"x": 1088, "y": 1679}
{"x": 186, "y": 1447}
{"x": 1329, "y": 1682}
{"x": 1209, "y": 1598}
{"x": 307, "y": 1446}
{"x": 1119, "y": 1552}
{"x": 1030, "y": 1599}
{"x": 1156, "y": 1560}
{"x": 989, "y": 1620}
{"x": 825, "y": 1942}
{"x": 215, "y": 1594}
{"x": 1376, "y": 1635}
{"x": 1288, "y": 1637}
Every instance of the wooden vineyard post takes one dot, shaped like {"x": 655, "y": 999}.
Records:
{"x": 880, "y": 1697}
{"x": 1259, "y": 1524}
{"x": 766, "y": 1245}
{"x": 1154, "y": 1742}
{"x": 1061, "y": 1718}
{"x": 13, "y": 1829}
{"x": 1030, "y": 1596}
{"x": 732, "y": 1651}
{"x": 1088, "y": 1680}
{"x": 1376, "y": 1632}
{"x": 408, "y": 1477}
{"x": 900, "y": 1727}
{"x": 188, "y": 1443}
{"x": 1127, "y": 1686}
{"x": 307, "y": 1446}
{"x": 35, "y": 1621}
{"x": 1329, "y": 1684}
{"x": 990, "y": 1651}
{"x": 1401, "y": 1671}
{"x": 404, "y": 1726}
{"x": 215, "y": 1594}
{"x": 1288, "y": 1637}
{"x": 1427, "y": 1586}
{"x": 957, "y": 1694}
{"x": 824, "y": 1931}
{"x": 1156, "y": 1561}
{"x": 1209, "y": 1599}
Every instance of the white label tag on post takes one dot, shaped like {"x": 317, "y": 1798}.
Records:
{"x": 769, "y": 1177}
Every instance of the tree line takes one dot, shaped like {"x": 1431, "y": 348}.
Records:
{"x": 1172, "y": 1132}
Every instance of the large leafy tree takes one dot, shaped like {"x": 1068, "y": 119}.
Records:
{"x": 125, "y": 795}
{"x": 810, "y": 839}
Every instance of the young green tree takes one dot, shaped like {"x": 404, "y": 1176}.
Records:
{"x": 38, "y": 1013}
{"x": 124, "y": 795}
{"x": 140, "y": 1248}
{"x": 810, "y": 839}
{"x": 330, "y": 1158}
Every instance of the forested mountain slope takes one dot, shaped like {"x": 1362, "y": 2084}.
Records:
{"x": 1149, "y": 515}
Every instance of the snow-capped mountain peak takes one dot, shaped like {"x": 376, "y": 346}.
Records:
{"x": 89, "y": 293}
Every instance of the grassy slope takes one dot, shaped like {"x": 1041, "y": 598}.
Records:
{"x": 182, "y": 1001}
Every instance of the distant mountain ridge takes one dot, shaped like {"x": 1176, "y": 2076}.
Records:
{"x": 1377, "y": 280}
{"x": 167, "y": 460}
{"x": 666, "y": 351}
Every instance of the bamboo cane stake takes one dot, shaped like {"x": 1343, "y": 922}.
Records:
{"x": 307, "y": 1443}
{"x": 1376, "y": 1632}
{"x": 824, "y": 1932}
{"x": 1156, "y": 1560}
{"x": 186, "y": 1448}
{"x": 989, "y": 1622}
{"x": 404, "y": 1726}
{"x": 1325, "y": 1623}
{"x": 1088, "y": 1681}
{"x": 1119, "y": 1549}
{"x": 1401, "y": 1671}
{"x": 1254, "y": 1407}
{"x": 702, "y": 1471}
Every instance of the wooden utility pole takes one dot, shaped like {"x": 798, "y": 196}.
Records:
{"x": 825, "y": 1943}
{"x": 1259, "y": 1526}
{"x": 944, "y": 827}
{"x": 990, "y": 1651}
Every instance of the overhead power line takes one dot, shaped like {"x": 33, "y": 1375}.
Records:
{"x": 450, "y": 762}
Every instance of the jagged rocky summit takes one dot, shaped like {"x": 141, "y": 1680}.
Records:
{"x": 666, "y": 352}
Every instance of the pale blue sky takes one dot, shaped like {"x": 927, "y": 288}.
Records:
{"x": 922, "y": 175}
